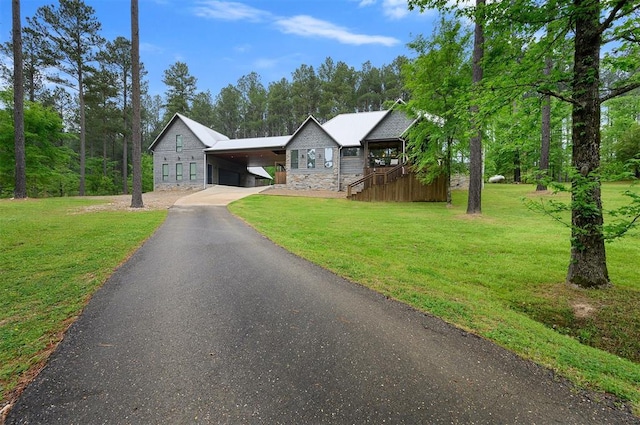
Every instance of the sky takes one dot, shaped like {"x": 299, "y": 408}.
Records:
{"x": 221, "y": 41}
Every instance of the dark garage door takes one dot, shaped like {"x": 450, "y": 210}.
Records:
{"x": 228, "y": 178}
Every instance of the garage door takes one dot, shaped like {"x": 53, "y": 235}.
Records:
{"x": 228, "y": 178}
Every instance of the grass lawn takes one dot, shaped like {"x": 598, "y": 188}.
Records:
{"x": 500, "y": 275}
{"x": 54, "y": 253}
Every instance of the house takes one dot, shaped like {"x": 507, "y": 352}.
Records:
{"x": 355, "y": 147}
{"x": 180, "y": 161}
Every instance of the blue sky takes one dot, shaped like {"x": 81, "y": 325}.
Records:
{"x": 221, "y": 41}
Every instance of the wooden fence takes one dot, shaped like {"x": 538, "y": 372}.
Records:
{"x": 398, "y": 185}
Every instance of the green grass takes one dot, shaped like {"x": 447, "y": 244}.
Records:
{"x": 499, "y": 275}
{"x": 54, "y": 254}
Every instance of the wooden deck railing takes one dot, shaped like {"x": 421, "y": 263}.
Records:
{"x": 378, "y": 178}
{"x": 398, "y": 184}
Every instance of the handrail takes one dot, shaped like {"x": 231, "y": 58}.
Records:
{"x": 393, "y": 172}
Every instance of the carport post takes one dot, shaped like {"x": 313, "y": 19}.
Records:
{"x": 204, "y": 172}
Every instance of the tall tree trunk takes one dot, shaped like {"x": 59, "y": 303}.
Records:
{"x": 125, "y": 148}
{"x": 136, "y": 195}
{"x": 448, "y": 170}
{"x": 517, "y": 167}
{"x": 125, "y": 165}
{"x": 474, "y": 203}
{"x": 545, "y": 133}
{"x": 82, "y": 133}
{"x": 20, "y": 188}
{"x": 588, "y": 265}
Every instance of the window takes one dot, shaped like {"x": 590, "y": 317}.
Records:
{"x": 179, "y": 143}
{"x": 328, "y": 157}
{"x": 294, "y": 159}
{"x": 179, "y": 171}
{"x": 381, "y": 157}
{"x": 165, "y": 172}
{"x": 311, "y": 158}
{"x": 351, "y": 152}
{"x": 193, "y": 171}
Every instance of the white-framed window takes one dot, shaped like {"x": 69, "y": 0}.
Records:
{"x": 328, "y": 157}
{"x": 311, "y": 158}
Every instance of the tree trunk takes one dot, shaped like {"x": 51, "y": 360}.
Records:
{"x": 82, "y": 133}
{"x": 20, "y": 188}
{"x": 545, "y": 133}
{"x": 474, "y": 203}
{"x": 136, "y": 193}
{"x": 125, "y": 165}
{"x": 125, "y": 148}
{"x": 588, "y": 265}
{"x": 517, "y": 167}
{"x": 448, "y": 170}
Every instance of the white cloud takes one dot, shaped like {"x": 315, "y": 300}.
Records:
{"x": 395, "y": 9}
{"x": 265, "y": 63}
{"x": 307, "y": 26}
{"x": 242, "y": 48}
{"x": 229, "y": 11}
{"x": 150, "y": 48}
{"x": 364, "y": 3}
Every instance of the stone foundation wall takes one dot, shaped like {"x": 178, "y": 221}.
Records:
{"x": 347, "y": 179}
{"x": 312, "y": 181}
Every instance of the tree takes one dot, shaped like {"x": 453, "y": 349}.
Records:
{"x": 151, "y": 117}
{"x": 280, "y": 121}
{"x": 136, "y": 134}
{"x": 587, "y": 25}
{"x": 474, "y": 203}
{"x": 438, "y": 80}
{"x": 47, "y": 163}
{"x": 34, "y": 62}
{"x": 181, "y": 88}
{"x": 337, "y": 85}
{"x": 254, "y": 105}
{"x": 305, "y": 93}
{"x": 117, "y": 56}
{"x": 72, "y": 38}
{"x": 369, "y": 91}
{"x": 227, "y": 112}
{"x": 20, "y": 190}
{"x": 545, "y": 131}
{"x": 202, "y": 108}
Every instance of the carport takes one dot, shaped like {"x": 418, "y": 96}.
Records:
{"x": 235, "y": 162}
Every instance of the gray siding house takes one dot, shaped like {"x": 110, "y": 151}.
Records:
{"x": 180, "y": 161}
{"x": 317, "y": 156}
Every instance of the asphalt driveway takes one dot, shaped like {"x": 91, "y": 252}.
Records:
{"x": 209, "y": 322}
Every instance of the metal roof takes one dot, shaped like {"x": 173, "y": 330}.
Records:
{"x": 350, "y": 129}
{"x": 275, "y": 142}
{"x": 206, "y": 135}
{"x": 260, "y": 172}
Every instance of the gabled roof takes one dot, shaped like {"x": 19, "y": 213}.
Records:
{"x": 349, "y": 129}
{"x": 311, "y": 121}
{"x": 207, "y": 136}
{"x": 276, "y": 142}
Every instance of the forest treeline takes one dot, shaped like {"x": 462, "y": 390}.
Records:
{"x": 251, "y": 108}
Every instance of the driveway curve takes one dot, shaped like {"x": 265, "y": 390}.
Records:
{"x": 209, "y": 322}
